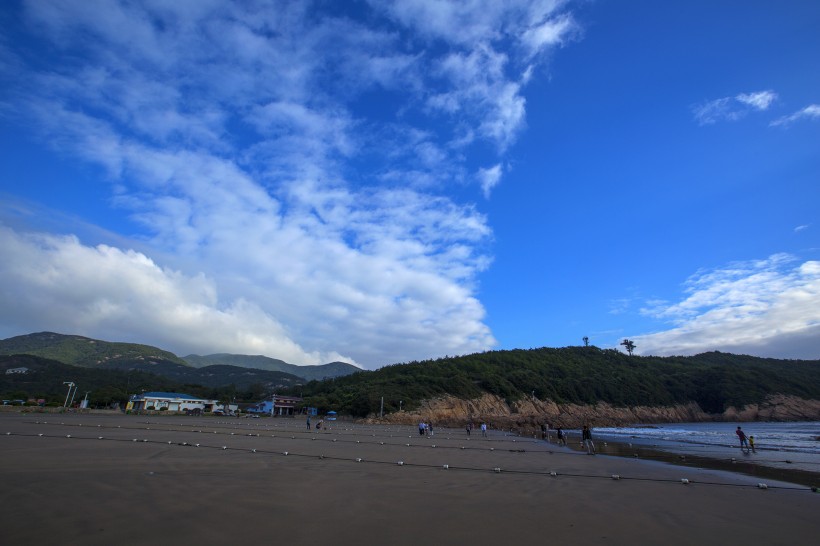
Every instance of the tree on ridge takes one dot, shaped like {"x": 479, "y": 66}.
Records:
{"x": 630, "y": 346}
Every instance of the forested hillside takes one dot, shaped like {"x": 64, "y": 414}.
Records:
{"x": 580, "y": 375}
{"x": 113, "y": 382}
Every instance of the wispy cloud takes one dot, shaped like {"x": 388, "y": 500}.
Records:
{"x": 280, "y": 212}
{"x": 764, "y": 307}
{"x": 489, "y": 178}
{"x": 759, "y": 100}
{"x": 810, "y": 112}
{"x": 732, "y": 108}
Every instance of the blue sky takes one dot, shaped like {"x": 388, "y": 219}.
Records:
{"x": 379, "y": 182}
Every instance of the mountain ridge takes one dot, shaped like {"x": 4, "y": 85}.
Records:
{"x": 88, "y": 352}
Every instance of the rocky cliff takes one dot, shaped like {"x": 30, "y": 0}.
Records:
{"x": 526, "y": 416}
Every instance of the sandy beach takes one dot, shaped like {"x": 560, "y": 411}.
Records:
{"x": 103, "y": 479}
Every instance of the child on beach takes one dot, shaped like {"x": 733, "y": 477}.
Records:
{"x": 752, "y": 443}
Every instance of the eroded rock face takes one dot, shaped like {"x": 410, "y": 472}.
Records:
{"x": 776, "y": 407}
{"x": 526, "y": 416}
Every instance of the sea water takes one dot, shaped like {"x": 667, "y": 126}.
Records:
{"x": 780, "y": 445}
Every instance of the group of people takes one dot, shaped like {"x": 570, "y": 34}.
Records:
{"x": 319, "y": 424}
{"x": 747, "y": 442}
{"x": 425, "y": 429}
{"x": 469, "y": 428}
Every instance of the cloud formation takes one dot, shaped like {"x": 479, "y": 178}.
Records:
{"x": 810, "y": 112}
{"x": 278, "y": 211}
{"x": 765, "y": 308}
{"x": 732, "y": 108}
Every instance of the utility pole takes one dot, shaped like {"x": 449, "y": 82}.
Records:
{"x": 71, "y": 385}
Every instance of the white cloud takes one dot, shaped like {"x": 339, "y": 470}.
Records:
{"x": 57, "y": 283}
{"x": 483, "y": 81}
{"x": 766, "y": 308}
{"x": 732, "y": 108}
{"x": 759, "y": 100}
{"x": 549, "y": 33}
{"x": 489, "y": 178}
{"x": 306, "y": 219}
{"x": 810, "y": 112}
{"x": 715, "y": 110}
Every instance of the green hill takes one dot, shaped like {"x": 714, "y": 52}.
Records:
{"x": 215, "y": 376}
{"x": 580, "y": 375}
{"x": 324, "y": 371}
{"x": 82, "y": 351}
{"x": 115, "y": 380}
{"x": 44, "y": 379}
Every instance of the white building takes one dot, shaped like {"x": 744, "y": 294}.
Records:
{"x": 171, "y": 401}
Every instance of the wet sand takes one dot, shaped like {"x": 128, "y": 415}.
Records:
{"x": 147, "y": 480}
{"x": 741, "y": 463}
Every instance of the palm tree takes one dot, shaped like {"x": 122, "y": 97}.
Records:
{"x": 630, "y": 346}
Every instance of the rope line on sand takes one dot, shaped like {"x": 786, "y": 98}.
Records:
{"x": 322, "y": 438}
{"x": 497, "y": 470}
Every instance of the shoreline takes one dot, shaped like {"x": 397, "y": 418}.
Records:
{"x": 742, "y": 466}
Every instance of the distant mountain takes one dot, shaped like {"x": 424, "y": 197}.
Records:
{"x": 212, "y": 370}
{"x": 324, "y": 371}
{"x": 212, "y": 376}
{"x": 83, "y": 351}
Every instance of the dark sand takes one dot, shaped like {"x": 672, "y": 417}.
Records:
{"x": 86, "y": 490}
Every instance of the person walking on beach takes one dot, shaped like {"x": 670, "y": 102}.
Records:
{"x": 484, "y": 429}
{"x": 543, "y": 431}
{"x": 430, "y": 428}
{"x": 468, "y": 428}
{"x": 422, "y": 428}
{"x": 308, "y": 422}
{"x": 742, "y": 437}
{"x": 586, "y": 436}
{"x": 752, "y": 443}
{"x": 562, "y": 438}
